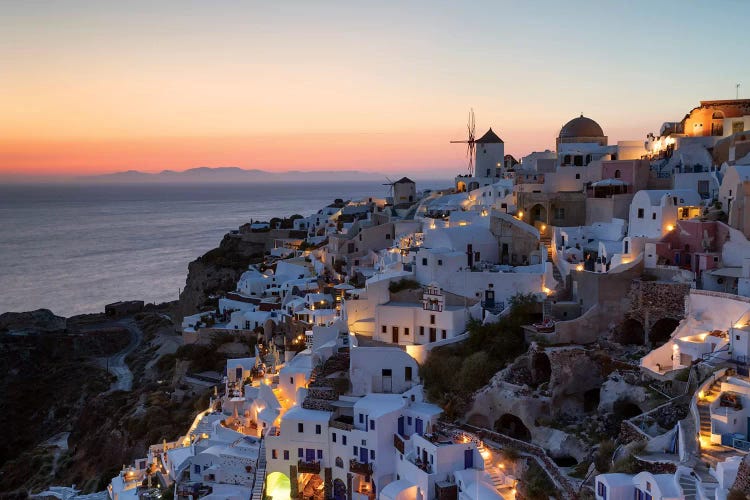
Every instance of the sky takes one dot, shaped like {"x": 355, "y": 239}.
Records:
{"x": 96, "y": 87}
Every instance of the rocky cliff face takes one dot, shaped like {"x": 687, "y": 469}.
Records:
{"x": 218, "y": 270}
{"x": 39, "y": 321}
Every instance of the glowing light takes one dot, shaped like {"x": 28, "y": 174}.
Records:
{"x": 670, "y": 227}
{"x": 463, "y": 223}
{"x": 485, "y": 454}
{"x": 546, "y": 290}
{"x": 544, "y": 227}
{"x": 701, "y": 395}
{"x": 502, "y": 466}
{"x": 579, "y": 267}
{"x": 519, "y": 214}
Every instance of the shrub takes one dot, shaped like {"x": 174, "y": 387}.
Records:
{"x": 403, "y": 284}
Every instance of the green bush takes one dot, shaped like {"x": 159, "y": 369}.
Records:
{"x": 403, "y": 284}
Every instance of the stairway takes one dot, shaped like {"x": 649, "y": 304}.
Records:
{"x": 260, "y": 473}
{"x": 497, "y": 477}
{"x": 712, "y": 453}
{"x": 689, "y": 488}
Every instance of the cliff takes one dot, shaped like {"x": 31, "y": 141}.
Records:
{"x": 218, "y": 270}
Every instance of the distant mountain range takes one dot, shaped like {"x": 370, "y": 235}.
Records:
{"x": 232, "y": 174}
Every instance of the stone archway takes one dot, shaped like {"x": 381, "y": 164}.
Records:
{"x": 661, "y": 331}
{"x": 339, "y": 489}
{"x": 278, "y": 486}
{"x": 538, "y": 213}
{"x": 513, "y": 426}
{"x": 631, "y": 332}
{"x": 541, "y": 368}
{"x": 591, "y": 399}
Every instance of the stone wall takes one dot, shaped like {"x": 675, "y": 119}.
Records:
{"x": 630, "y": 433}
{"x": 742, "y": 482}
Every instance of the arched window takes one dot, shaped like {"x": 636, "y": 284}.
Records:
{"x": 618, "y": 174}
{"x": 339, "y": 463}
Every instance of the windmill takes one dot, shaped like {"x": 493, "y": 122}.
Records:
{"x": 390, "y": 185}
{"x": 470, "y": 142}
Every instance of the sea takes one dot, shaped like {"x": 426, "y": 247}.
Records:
{"x": 74, "y": 248}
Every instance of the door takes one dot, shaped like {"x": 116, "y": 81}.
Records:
{"x": 401, "y": 425}
{"x": 238, "y": 374}
{"x": 433, "y": 334}
{"x": 419, "y": 426}
{"x": 468, "y": 459}
{"x": 363, "y": 455}
{"x": 394, "y": 334}
{"x": 387, "y": 380}
{"x": 309, "y": 455}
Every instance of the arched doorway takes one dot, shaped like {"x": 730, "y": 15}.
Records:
{"x": 278, "y": 486}
{"x": 541, "y": 368}
{"x": 513, "y": 426}
{"x": 461, "y": 187}
{"x": 631, "y": 332}
{"x": 662, "y": 331}
{"x": 538, "y": 213}
{"x": 339, "y": 489}
{"x": 624, "y": 409}
{"x": 591, "y": 400}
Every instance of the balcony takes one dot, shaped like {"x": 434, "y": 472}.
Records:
{"x": 398, "y": 443}
{"x": 360, "y": 468}
{"x": 308, "y": 467}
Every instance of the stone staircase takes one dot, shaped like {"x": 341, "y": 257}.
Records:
{"x": 496, "y": 475}
{"x": 711, "y": 453}
{"x": 689, "y": 488}
{"x": 260, "y": 473}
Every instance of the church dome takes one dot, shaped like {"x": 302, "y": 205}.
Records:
{"x": 581, "y": 127}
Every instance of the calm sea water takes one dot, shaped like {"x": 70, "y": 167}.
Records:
{"x": 73, "y": 249}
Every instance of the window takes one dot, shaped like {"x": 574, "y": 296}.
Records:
{"x": 640, "y": 213}
{"x": 601, "y": 490}
{"x": 343, "y": 439}
{"x": 440, "y": 262}
{"x": 443, "y": 332}
{"x": 356, "y": 450}
{"x": 361, "y": 418}
{"x": 300, "y": 452}
{"x": 317, "y": 429}
{"x": 197, "y": 469}
{"x": 559, "y": 213}
{"x": 333, "y": 437}
{"x": 384, "y": 329}
{"x": 421, "y": 330}
{"x": 291, "y": 380}
{"x": 406, "y": 331}
{"x": 320, "y": 454}
{"x": 432, "y": 319}
{"x": 372, "y": 454}
{"x": 424, "y": 261}
{"x": 339, "y": 463}
{"x": 372, "y": 425}
{"x": 736, "y": 337}
{"x": 578, "y": 176}
{"x": 300, "y": 427}
{"x": 618, "y": 174}
{"x": 407, "y": 373}
{"x": 408, "y": 420}
{"x": 653, "y": 216}
{"x": 274, "y": 454}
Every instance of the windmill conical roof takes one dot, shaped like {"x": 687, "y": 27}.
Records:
{"x": 489, "y": 137}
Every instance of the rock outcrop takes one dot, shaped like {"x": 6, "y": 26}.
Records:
{"x": 39, "y": 321}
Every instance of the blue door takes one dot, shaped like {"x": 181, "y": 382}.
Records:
{"x": 363, "y": 456}
{"x": 418, "y": 426}
{"x": 309, "y": 455}
{"x": 468, "y": 459}
{"x": 401, "y": 425}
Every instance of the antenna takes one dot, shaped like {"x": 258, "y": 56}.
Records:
{"x": 470, "y": 141}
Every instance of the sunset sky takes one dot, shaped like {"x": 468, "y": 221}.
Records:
{"x": 93, "y": 87}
